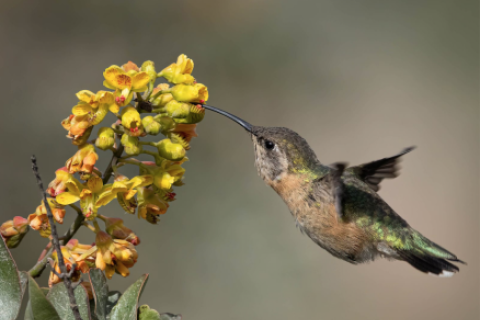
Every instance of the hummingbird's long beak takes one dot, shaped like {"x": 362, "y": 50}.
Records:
{"x": 247, "y": 126}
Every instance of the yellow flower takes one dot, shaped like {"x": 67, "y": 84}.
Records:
{"x": 68, "y": 260}
{"x": 95, "y": 106}
{"x": 179, "y": 72}
{"x": 14, "y": 230}
{"x": 106, "y": 138}
{"x": 167, "y": 174}
{"x": 170, "y": 150}
{"x": 195, "y": 93}
{"x": 112, "y": 255}
{"x": 150, "y": 204}
{"x": 92, "y": 195}
{"x": 125, "y": 190}
{"x": 77, "y": 250}
{"x": 58, "y": 185}
{"x": 125, "y": 83}
{"x": 83, "y": 161}
{"x": 132, "y": 122}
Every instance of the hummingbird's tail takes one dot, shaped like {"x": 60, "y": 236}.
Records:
{"x": 429, "y": 257}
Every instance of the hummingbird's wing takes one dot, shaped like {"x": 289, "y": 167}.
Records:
{"x": 374, "y": 172}
{"x": 333, "y": 184}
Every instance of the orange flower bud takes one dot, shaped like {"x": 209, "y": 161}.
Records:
{"x": 83, "y": 161}
{"x": 14, "y": 230}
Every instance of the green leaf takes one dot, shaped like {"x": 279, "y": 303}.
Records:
{"x": 28, "y": 312}
{"x": 41, "y": 308}
{"x": 112, "y": 299}
{"x": 28, "y": 309}
{"x": 23, "y": 281}
{"x": 58, "y": 296}
{"x": 145, "y": 313}
{"x": 10, "y": 290}
{"x": 126, "y": 308}
{"x": 92, "y": 310}
{"x": 170, "y": 316}
{"x": 100, "y": 293}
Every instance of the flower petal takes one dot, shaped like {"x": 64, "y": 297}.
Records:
{"x": 67, "y": 198}
{"x": 111, "y": 74}
{"x": 140, "y": 81}
{"x": 85, "y": 95}
{"x": 81, "y": 109}
{"x": 95, "y": 184}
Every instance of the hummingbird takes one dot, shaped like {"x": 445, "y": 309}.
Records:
{"x": 337, "y": 206}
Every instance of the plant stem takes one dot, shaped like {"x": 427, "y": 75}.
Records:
{"x": 109, "y": 170}
{"x": 56, "y": 244}
{"x": 136, "y": 163}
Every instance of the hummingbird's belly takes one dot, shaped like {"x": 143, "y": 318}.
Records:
{"x": 320, "y": 221}
{"x": 344, "y": 240}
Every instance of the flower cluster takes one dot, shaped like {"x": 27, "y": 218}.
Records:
{"x": 141, "y": 108}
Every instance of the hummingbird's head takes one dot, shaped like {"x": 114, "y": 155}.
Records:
{"x": 278, "y": 150}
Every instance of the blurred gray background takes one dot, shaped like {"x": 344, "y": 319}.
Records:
{"x": 360, "y": 80}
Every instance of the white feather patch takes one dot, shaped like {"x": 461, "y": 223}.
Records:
{"x": 444, "y": 274}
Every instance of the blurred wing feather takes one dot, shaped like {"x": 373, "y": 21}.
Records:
{"x": 374, "y": 172}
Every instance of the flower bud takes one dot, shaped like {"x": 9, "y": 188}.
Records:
{"x": 149, "y": 67}
{"x": 14, "y": 230}
{"x": 103, "y": 240}
{"x": 197, "y": 93}
{"x": 82, "y": 139}
{"x": 160, "y": 100}
{"x": 132, "y": 148}
{"x": 132, "y": 122}
{"x": 129, "y": 205}
{"x": 106, "y": 138}
{"x": 130, "y": 66}
{"x": 166, "y": 123}
{"x": 151, "y": 126}
{"x": 115, "y": 228}
{"x": 40, "y": 223}
{"x": 83, "y": 161}
{"x": 171, "y": 151}
{"x": 185, "y": 113}
{"x": 117, "y": 127}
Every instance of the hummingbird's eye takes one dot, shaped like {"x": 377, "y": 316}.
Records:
{"x": 269, "y": 144}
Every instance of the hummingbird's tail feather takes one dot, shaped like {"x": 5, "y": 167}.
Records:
{"x": 431, "y": 265}
{"x": 429, "y": 257}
